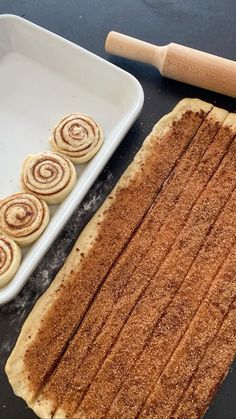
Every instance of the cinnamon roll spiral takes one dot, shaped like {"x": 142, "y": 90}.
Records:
{"x": 78, "y": 137}
{"x": 49, "y": 176}
{"x": 10, "y": 257}
{"x": 23, "y": 217}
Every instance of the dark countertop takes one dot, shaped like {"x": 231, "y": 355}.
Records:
{"x": 208, "y": 25}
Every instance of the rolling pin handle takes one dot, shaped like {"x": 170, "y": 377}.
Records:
{"x": 128, "y": 47}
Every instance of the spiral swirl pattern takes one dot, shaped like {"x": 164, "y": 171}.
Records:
{"x": 78, "y": 137}
{"x": 49, "y": 176}
{"x": 23, "y": 217}
{"x": 10, "y": 257}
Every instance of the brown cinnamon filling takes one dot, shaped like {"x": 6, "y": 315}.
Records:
{"x": 211, "y": 370}
{"x": 120, "y": 319}
{"x": 127, "y": 281}
{"x": 149, "y": 310}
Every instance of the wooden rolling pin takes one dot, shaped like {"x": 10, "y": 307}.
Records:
{"x": 178, "y": 62}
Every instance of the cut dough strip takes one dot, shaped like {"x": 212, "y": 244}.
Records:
{"x": 116, "y": 282}
{"x": 172, "y": 326}
{"x": 160, "y": 292}
{"x": 201, "y": 332}
{"x": 216, "y": 362}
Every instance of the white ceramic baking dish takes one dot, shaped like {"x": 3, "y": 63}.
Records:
{"x": 42, "y": 78}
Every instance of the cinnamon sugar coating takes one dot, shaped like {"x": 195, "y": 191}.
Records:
{"x": 144, "y": 325}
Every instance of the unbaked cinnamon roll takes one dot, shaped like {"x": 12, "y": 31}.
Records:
{"x": 10, "y": 257}
{"x": 23, "y": 217}
{"x": 49, "y": 176}
{"x": 78, "y": 137}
